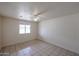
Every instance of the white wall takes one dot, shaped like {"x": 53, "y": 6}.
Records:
{"x": 0, "y": 32}
{"x": 11, "y": 32}
{"x": 63, "y": 31}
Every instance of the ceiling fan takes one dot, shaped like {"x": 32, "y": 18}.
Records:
{"x": 37, "y": 15}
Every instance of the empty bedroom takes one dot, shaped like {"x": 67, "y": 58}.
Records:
{"x": 39, "y": 28}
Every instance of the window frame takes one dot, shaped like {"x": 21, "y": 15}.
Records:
{"x": 25, "y": 28}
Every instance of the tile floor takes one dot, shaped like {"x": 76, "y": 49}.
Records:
{"x": 36, "y": 48}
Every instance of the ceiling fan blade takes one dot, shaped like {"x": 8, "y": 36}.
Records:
{"x": 35, "y": 11}
{"x": 40, "y": 13}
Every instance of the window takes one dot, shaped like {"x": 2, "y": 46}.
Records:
{"x": 24, "y": 29}
{"x": 27, "y": 29}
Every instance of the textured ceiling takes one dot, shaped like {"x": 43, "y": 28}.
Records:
{"x": 27, "y": 10}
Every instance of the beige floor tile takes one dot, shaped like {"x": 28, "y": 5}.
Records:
{"x": 36, "y": 48}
